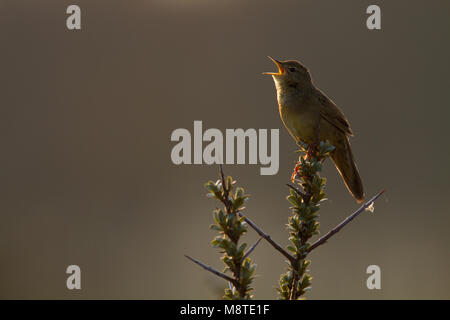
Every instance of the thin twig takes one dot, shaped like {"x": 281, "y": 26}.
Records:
{"x": 252, "y": 248}
{"x": 226, "y": 191}
{"x": 268, "y": 238}
{"x": 336, "y": 229}
{"x": 301, "y": 194}
{"x": 212, "y": 270}
{"x": 222, "y": 176}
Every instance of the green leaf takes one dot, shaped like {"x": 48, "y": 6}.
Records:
{"x": 215, "y": 227}
{"x": 242, "y": 247}
{"x": 292, "y": 249}
{"x": 239, "y": 193}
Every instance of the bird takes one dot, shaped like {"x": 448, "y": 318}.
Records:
{"x": 310, "y": 116}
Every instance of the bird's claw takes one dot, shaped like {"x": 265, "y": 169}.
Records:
{"x": 312, "y": 151}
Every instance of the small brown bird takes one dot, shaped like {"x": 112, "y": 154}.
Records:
{"x": 308, "y": 114}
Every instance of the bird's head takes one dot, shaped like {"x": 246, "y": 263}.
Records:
{"x": 290, "y": 73}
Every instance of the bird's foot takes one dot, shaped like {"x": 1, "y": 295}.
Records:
{"x": 312, "y": 151}
{"x": 296, "y": 170}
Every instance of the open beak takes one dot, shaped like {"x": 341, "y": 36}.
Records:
{"x": 279, "y": 65}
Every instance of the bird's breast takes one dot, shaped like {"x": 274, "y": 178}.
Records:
{"x": 299, "y": 117}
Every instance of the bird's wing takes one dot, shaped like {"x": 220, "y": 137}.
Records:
{"x": 331, "y": 113}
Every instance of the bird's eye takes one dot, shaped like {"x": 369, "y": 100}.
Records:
{"x": 292, "y": 69}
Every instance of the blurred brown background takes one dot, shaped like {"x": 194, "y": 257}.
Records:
{"x": 86, "y": 118}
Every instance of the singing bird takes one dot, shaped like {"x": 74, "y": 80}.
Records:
{"x": 308, "y": 114}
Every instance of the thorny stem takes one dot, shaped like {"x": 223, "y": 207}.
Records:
{"x": 212, "y": 270}
{"x": 297, "y": 261}
{"x": 341, "y": 225}
{"x": 303, "y": 222}
{"x": 230, "y": 211}
{"x": 267, "y": 238}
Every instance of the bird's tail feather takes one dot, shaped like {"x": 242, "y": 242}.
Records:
{"x": 345, "y": 164}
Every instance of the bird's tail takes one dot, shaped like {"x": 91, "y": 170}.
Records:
{"x": 345, "y": 164}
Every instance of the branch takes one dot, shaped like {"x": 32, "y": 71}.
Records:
{"x": 293, "y": 295}
{"x": 252, "y": 248}
{"x": 212, "y": 270}
{"x": 250, "y": 222}
{"x": 301, "y": 194}
{"x": 268, "y": 238}
{"x": 343, "y": 223}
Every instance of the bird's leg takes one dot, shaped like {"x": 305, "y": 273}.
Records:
{"x": 310, "y": 151}
{"x": 297, "y": 167}
{"x": 313, "y": 150}
{"x": 314, "y": 146}
{"x": 296, "y": 170}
